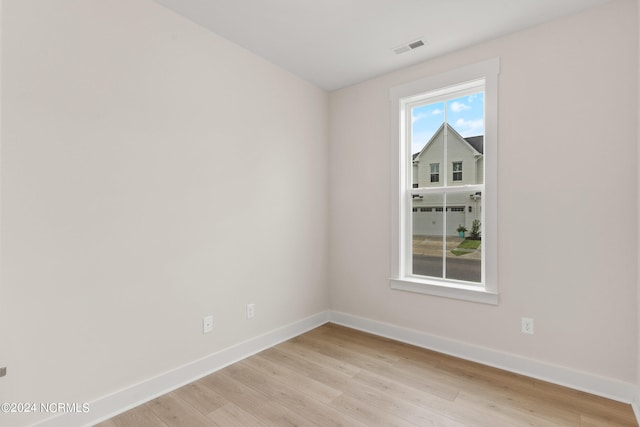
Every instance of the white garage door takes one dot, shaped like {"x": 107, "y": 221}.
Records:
{"x": 428, "y": 221}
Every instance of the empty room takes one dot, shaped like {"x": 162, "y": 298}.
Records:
{"x": 345, "y": 212}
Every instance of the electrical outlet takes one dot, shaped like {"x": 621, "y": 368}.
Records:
{"x": 527, "y": 326}
{"x": 251, "y": 311}
{"x": 207, "y": 324}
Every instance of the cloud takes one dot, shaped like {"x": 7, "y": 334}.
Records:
{"x": 468, "y": 128}
{"x": 419, "y": 116}
{"x": 457, "y": 107}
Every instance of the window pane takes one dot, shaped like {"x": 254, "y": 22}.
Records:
{"x": 465, "y": 140}
{"x": 447, "y": 142}
{"x": 464, "y": 248}
{"x": 427, "y": 226}
{"x": 435, "y": 172}
{"x": 427, "y": 144}
{"x": 439, "y": 229}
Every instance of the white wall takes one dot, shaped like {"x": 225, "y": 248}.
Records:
{"x": 127, "y": 214}
{"x": 567, "y": 207}
{"x": 636, "y": 402}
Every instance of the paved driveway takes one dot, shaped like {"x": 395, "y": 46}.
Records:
{"x": 432, "y": 245}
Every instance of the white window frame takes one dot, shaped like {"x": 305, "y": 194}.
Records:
{"x": 432, "y": 173}
{"x": 401, "y": 184}
{"x": 454, "y": 171}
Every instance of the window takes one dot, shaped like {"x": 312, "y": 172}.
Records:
{"x": 458, "y": 111}
{"x": 457, "y": 171}
{"x": 435, "y": 173}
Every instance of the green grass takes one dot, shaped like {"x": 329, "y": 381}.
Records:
{"x": 466, "y": 247}
{"x": 469, "y": 244}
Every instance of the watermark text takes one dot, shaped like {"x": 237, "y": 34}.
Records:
{"x": 44, "y": 407}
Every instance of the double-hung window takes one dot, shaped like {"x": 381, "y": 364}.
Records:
{"x": 435, "y": 172}
{"x": 457, "y": 171}
{"x": 444, "y": 184}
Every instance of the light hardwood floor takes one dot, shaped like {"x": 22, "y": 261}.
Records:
{"x": 335, "y": 376}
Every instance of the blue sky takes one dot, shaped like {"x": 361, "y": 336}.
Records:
{"x": 465, "y": 115}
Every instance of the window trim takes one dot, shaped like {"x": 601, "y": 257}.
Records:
{"x": 402, "y": 95}
{"x": 435, "y": 174}
{"x": 454, "y": 171}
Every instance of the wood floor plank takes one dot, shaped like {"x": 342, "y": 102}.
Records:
{"x": 360, "y": 344}
{"x": 320, "y": 372}
{"x": 340, "y": 352}
{"x": 336, "y": 376}
{"x": 390, "y": 368}
{"x": 175, "y": 412}
{"x": 509, "y": 414}
{"x": 524, "y": 393}
{"x": 252, "y": 401}
{"x": 367, "y": 413}
{"x": 367, "y": 356}
{"x": 504, "y": 389}
{"x": 314, "y": 389}
{"x": 201, "y": 397}
{"x": 585, "y": 403}
{"x": 234, "y": 416}
{"x": 316, "y": 412}
{"x": 598, "y": 421}
{"x": 384, "y": 391}
{"x": 294, "y": 347}
{"x": 390, "y": 399}
{"x": 402, "y": 390}
{"x": 400, "y": 350}
{"x": 142, "y": 416}
{"x": 425, "y": 381}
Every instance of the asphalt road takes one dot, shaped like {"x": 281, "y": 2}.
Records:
{"x": 457, "y": 268}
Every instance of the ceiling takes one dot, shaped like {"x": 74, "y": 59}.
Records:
{"x": 336, "y": 43}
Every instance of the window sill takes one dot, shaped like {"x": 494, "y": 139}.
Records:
{"x": 453, "y": 290}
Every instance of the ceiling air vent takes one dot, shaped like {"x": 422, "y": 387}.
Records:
{"x": 408, "y": 46}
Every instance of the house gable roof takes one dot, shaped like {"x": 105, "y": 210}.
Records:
{"x": 475, "y": 143}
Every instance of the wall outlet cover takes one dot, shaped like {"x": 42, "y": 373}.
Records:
{"x": 207, "y": 324}
{"x": 251, "y": 311}
{"x": 527, "y": 326}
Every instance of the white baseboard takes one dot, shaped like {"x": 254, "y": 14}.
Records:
{"x": 600, "y": 386}
{"x": 636, "y": 405}
{"x": 130, "y": 397}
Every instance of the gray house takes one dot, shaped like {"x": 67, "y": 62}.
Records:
{"x": 464, "y": 166}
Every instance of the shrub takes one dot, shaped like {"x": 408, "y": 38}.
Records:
{"x": 475, "y": 230}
